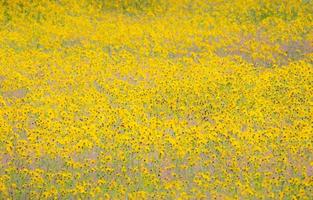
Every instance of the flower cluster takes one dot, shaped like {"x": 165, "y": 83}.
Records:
{"x": 155, "y": 99}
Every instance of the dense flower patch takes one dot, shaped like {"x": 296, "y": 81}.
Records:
{"x": 155, "y": 99}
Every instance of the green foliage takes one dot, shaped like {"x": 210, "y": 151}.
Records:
{"x": 132, "y": 6}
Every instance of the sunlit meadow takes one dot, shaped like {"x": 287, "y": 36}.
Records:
{"x": 156, "y": 99}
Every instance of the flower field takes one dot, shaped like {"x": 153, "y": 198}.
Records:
{"x": 156, "y": 99}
